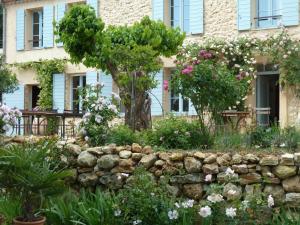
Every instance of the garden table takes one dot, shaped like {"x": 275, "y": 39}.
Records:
{"x": 240, "y": 116}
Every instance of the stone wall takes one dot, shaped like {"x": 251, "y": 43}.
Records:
{"x": 110, "y": 167}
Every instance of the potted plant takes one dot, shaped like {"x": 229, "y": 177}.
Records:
{"x": 27, "y": 174}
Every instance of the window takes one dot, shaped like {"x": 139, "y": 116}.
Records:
{"x": 180, "y": 14}
{"x": 178, "y": 104}
{"x": 37, "y": 29}
{"x": 268, "y": 13}
{"x": 78, "y": 82}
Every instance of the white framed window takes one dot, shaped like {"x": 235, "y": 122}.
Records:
{"x": 37, "y": 29}
{"x": 180, "y": 14}
{"x": 268, "y": 13}
{"x": 77, "y": 82}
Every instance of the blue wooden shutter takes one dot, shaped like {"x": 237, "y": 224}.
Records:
{"x": 94, "y": 4}
{"x": 264, "y": 10}
{"x": 16, "y": 99}
{"x": 196, "y": 16}
{"x": 186, "y": 16}
{"x": 20, "y": 29}
{"x": 244, "y": 14}
{"x": 157, "y": 101}
{"x": 59, "y": 92}
{"x": 290, "y": 12}
{"x": 91, "y": 77}
{"x": 177, "y": 14}
{"x": 108, "y": 82}
{"x": 158, "y": 10}
{"x": 48, "y": 26}
{"x": 60, "y": 12}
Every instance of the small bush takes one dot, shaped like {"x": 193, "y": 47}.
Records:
{"x": 177, "y": 133}
{"x": 121, "y": 135}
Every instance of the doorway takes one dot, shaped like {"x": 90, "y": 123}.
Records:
{"x": 267, "y": 97}
{"x": 35, "y": 91}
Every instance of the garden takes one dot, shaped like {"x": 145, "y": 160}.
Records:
{"x": 146, "y": 171}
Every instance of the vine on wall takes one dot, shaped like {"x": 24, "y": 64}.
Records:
{"x": 45, "y": 70}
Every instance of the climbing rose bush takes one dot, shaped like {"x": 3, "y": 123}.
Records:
{"x": 99, "y": 111}
{"x": 8, "y": 118}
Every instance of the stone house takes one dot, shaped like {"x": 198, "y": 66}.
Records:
{"x": 29, "y": 36}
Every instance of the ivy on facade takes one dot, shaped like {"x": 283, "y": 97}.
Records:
{"x": 45, "y": 70}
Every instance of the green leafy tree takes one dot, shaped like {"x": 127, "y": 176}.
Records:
{"x": 8, "y": 80}
{"x": 131, "y": 54}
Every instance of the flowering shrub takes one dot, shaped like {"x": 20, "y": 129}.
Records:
{"x": 8, "y": 118}
{"x": 205, "y": 78}
{"x": 173, "y": 132}
{"x": 100, "y": 111}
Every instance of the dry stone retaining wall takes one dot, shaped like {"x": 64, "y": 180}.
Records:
{"x": 111, "y": 166}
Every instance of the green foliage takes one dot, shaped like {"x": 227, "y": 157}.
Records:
{"x": 125, "y": 52}
{"x": 10, "y": 208}
{"x": 229, "y": 140}
{"x": 177, "y": 133}
{"x": 8, "y": 80}
{"x": 262, "y": 137}
{"x": 45, "y": 70}
{"x": 86, "y": 208}
{"x": 286, "y": 217}
{"x": 100, "y": 111}
{"x": 121, "y": 135}
{"x": 27, "y": 174}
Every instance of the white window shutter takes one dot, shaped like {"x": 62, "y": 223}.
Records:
{"x": 60, "y": 12}
{"x": 59, "y": 92}
{"x": 48, "y": 19}
{"x": 290, "y": 12}
{"x": 20, "y": 29}
{"x": 157, "y": 96}
{"x": 91, "y": 77}
{"x": 196, "y": 16}
{"x": 158, "y": 10}
{"x": 94, "y": 4}
{"x": 107, "y": 80}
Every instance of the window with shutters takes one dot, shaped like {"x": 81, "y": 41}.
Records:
{"x": 180, "y": 16}
{"x": 268, "y": 13}
{"x": 77, "y": 82}
{"x": 37, "y": 29}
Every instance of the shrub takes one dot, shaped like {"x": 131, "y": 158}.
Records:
{"x": 229, "y": 140}
{"x": 178, "y": 133}
{"x": 10, "y": 208}
{"x": 27, "y": 174}
{"x": 8, "y": 118}
{"x": 121, "y": 135}
{"x": 100, "y": 111}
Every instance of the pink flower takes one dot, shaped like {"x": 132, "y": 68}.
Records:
{"x": 166, "y": 85}
{"x": 187, "y": 70}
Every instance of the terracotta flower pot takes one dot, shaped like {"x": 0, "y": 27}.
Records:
{"x": 38, "y": 222}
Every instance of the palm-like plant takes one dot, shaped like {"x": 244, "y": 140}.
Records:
{"x": 26, "y": 173}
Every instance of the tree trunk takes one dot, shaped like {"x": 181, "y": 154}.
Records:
{"x": 138, "y": 117}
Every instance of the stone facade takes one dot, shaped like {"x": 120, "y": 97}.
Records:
{"x": 110, "y": 166}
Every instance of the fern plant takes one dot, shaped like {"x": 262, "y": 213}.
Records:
{"x": 27, "y": 174}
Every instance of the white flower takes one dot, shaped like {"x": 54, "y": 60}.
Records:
{"x": 136, "y": 222}
{"x": 117, "y": 212}
{"x": 173, "y": 214}
{"x": 161, "y": 138}
{"x": 188, "y": 134}
{"x": 208, "y": 178}
{"x": 229, "y": 172}
{"x": 116, "y": 96}
{"x": 245, "y": 204}
{"x": 98, "y": 118}
{"x": 176, "y": 132}
{"x": 231, "y": 212}
{"x": 113, "y": 108}
{"x": 283, "y": 145}
{"x": 6, "y": 127}
{"x": 125, "y": 174}
{"x": 215, "y": 198}
{"x": 205, "y": 211}
{"x": 285, "y": 56}
{"x": 188, "y": 204}
{"x": 177, "y": 205}
{"x": 86, "y": 138}
{"x": 270, "y": 201}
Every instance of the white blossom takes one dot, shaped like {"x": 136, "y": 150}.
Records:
{"x": 117, "y": 212}
{"x": 136, "y": 222}
{"x": 231, "y": 212}
{"x": 270, "y": 201}
{"x": 229, "y": 171}
{"x": 188, "y": 203}
{"x": 205, "y": 211}
{"x": 173, "y": 214}
{"x": 208, "y": 178}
